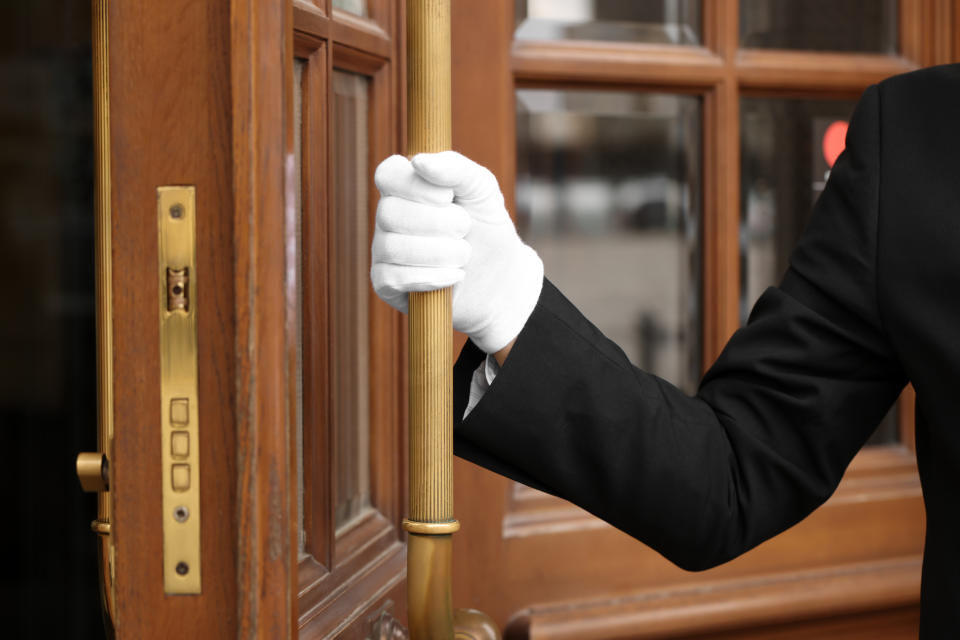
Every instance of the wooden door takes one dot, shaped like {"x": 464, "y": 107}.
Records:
{"x": 546, "y": 569}
{"x": 192, "y": 95}
{"x": 272, "y": 115}
{"x": 164, "y": 95}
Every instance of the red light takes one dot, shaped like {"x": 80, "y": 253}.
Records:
{"x": 834, "y": 141}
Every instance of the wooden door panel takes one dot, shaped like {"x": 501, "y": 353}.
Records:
{"x": 348, "y": 574}
{"x": 169, "y": 92}
{"x": 583, "y": 558}
{"x": 204, "y": 97}
{"x": 894, "y": 624}
{"x": 196, "y": 98}
{"x": 765, "y": 604}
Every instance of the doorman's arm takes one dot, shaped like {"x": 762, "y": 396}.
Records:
{"x": 774, "y": 425}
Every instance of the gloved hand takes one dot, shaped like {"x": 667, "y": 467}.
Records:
{"x": 441, "y": 221}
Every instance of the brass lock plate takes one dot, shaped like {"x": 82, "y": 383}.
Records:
{"x": 179, "y": 402}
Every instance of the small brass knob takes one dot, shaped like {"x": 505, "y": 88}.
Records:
{"x": 92, "y": 470}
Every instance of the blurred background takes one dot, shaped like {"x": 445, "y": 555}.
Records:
{"x": 610, "y": 183}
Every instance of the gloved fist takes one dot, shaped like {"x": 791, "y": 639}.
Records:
{"x": 441, "y": 221}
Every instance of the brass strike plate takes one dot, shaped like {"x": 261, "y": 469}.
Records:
{"x": 176, "y": 235}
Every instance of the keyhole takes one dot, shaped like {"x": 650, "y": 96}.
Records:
{"x": 177, "y": 283}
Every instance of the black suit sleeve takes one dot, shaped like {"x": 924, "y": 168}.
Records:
{"x": 775, "y": 423}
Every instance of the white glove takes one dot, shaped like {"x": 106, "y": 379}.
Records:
{"x": 441, "y": 221}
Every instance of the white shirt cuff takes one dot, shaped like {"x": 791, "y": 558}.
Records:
{"x": 482, "y": 379}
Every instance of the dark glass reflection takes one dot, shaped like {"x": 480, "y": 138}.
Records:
{"x": 667, "y": 22}
{"x": 47, "y": 331}
{"x": 608, "y": 192}
{"x": 820, "y": 25}
{"x": 787, "y": 149}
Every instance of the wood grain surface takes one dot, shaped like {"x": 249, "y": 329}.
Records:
{"x": 170, "y": 111}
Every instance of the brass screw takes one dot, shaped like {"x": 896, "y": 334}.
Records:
{"x": 183, "y": 568}
{"x": 176, "y": 211}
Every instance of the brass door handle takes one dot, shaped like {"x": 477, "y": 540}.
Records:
{"x": 93, "y": 471}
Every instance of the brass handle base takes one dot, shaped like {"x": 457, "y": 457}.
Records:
{"x": 431, "y": 528}
{"x": 470, "y": 624}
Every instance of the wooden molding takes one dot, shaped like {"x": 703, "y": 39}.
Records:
{"x": 382, "y": 581}
{"x": 362, "y": 34}
{"x": 373, "y": 545}
{"x": 369, "y": 35}
{"x": 343, "y": 575}
{"x": 956, "y": 34}
{"x": 815, "y": 72}
{"x": 929, "y": 33}
{"x": 720, "y": 267}
{"x": 310, "y": 19}
{"x": 878, "y": 474}
{"x": 617, "y": 63}
{"x": 728, "y": 605}
{"x": 261, "y": 55}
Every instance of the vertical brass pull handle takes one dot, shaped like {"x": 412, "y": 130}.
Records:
{"x": 429, "y": 554}
{"x": 431, "y": 523}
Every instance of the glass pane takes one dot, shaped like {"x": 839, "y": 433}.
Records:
{"x": 788, "y": 147}
{"x": 670, "y": 21}
{"x": 358, "y": 7}
{"x": 350, "y": 257}
{"x": 820, "y": 25}
{"x": 608, "y": 192}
